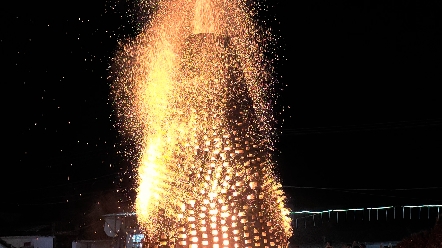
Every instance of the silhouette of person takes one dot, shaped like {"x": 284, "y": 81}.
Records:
{"x": 328, "y": 244}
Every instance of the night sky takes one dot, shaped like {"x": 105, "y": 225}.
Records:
{"x": 357, "y": 82}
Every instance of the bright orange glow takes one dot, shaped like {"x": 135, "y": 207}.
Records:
{"x": 192, "y": 91}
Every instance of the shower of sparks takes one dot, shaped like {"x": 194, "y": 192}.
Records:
{"x": 193, "y": 92}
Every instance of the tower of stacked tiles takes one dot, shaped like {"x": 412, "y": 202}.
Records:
{"x": 236, "y": 201}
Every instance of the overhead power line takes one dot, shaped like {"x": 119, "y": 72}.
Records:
{"x": 361, "y": 189}
{"x": 363, "y": 127}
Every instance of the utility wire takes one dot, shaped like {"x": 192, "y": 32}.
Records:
{"x": 361, "y": 189}
{"x": 370, "y": 192}
{"x": 362, "y": 127}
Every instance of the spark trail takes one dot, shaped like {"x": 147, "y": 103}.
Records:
{"x": 193, "y": 91}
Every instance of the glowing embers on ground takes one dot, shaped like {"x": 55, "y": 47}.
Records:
{"x": 195, "y": 104}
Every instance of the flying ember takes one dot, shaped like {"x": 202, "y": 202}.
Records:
{"x": 193, "y": 92}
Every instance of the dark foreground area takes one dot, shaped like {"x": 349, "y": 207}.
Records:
{"x": 400, "y": 233}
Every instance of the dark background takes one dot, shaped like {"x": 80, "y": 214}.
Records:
{"x": 358, "y": 82}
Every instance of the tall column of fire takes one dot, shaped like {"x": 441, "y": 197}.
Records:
{"x": 191, "y": 91}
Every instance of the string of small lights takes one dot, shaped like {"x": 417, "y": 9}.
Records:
{"x": 369, "y": 213}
